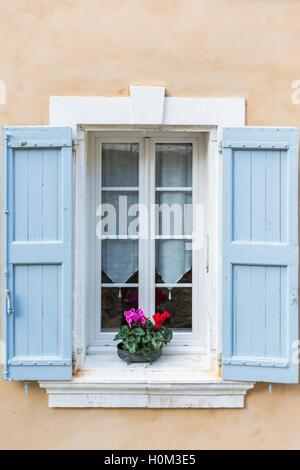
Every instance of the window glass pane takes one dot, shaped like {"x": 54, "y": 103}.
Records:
{"x": 120, "y": 164}
{"x": 119, "y": 256}
{"x": 174, "y": 213}
{"x": 114, "y": 302}
{"x": 117, "y": 204}
{"x": 179, "y": 304}
{"x": 119, "y": 260}
{"x": 173, "y": 261}
{"x": 173, "y": 257}
{"x": 173, "y": 165}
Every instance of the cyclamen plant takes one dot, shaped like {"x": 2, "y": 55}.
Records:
{"x": 140, "y": 336}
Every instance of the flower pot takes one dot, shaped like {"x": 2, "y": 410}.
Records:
{"x": 134, "y": 358}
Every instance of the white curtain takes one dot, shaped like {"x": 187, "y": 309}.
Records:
{"x": 172, "y": 260}
{"x": 120, "y": 165}
{"x": 174, "y": 169}
{"x": 119, "y": 259}
{"x": 120, "y": 168}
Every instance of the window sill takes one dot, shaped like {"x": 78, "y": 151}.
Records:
{"x": 173, "y": 382}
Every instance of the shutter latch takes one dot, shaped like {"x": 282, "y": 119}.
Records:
{"x": 10, "y": 309}
{"x": 207, "y": 254}
{"x": 293, "y": 298}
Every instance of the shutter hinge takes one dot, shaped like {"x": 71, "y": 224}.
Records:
{"x": 219, "y": 359}
{"x": 74, "y": 363}
{"x": 220, "y": 146}
{"x": 74, "y": 144}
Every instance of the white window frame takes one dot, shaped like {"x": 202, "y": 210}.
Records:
{"x": 146, "y": 109}
{"x": 210, "y": 344}
{"x": 197, "y": 339}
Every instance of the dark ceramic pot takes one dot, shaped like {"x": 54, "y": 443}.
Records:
{"x": 134, "y": 358}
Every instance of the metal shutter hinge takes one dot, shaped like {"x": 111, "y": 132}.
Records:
{"x": 219, "y": 359}
{"x": 75, "y": 144}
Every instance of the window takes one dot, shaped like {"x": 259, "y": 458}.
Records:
{"x": 147, "y": 232}
{"x": 248, "y": 181}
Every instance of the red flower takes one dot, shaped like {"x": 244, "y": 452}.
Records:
{"x": 157, "y": 320}
{"x": 160, "y": 318}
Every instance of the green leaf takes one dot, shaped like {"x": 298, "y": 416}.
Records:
{"x": 118, "y": 336}
{"x": 159, "y": 336}
{"x": 125, "y": 329}
{"x": 157, "y": 344}
{"x": 147, "y": 338}
{"x": 123, "y": 333}
{"x": 131, "y": 339}
{"x": 138, "y": 331}
{"x": 132, "y": 348}
{"x": 168, "y": 335}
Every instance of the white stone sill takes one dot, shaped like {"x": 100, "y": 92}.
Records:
{"x": 175, "y": 381}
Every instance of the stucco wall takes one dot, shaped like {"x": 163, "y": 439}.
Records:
{"x": 205, "y": 48}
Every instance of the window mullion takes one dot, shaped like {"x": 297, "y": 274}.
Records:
{"x": 151, "y": 243}
{"x": 144, "y": 227}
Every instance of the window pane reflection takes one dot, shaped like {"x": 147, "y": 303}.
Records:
{"x": 178, "y": 302}
{"x": 114, "y": 302}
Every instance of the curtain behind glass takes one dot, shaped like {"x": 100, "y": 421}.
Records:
{"x": 173, "y": 168}
{"x": 120, "y": 170}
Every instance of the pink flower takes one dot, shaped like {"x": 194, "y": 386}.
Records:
{"x": 129, "y": 316}
{"x": 139, "y": 316}
{"x": 133, "y": 316}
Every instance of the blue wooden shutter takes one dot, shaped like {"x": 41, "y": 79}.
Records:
{"x": 37, "y": 187}
{"x": 260, "y": 254}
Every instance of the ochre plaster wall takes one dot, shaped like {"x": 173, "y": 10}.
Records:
{"x": 205, "y": 48}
